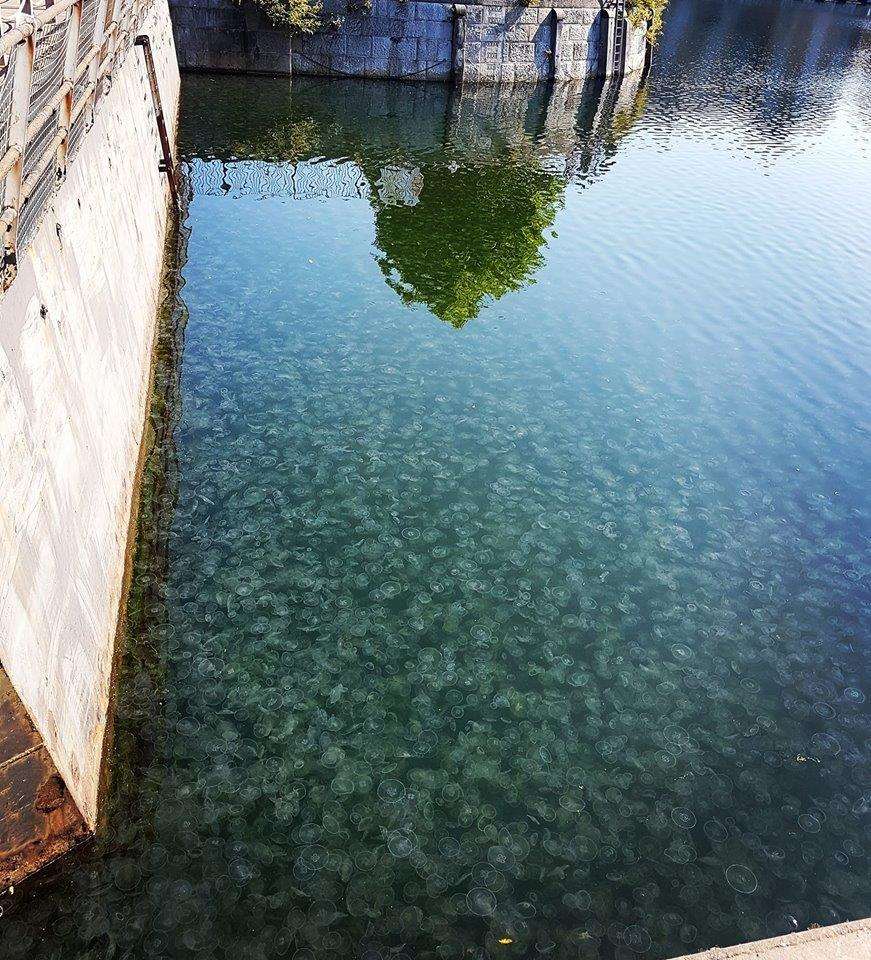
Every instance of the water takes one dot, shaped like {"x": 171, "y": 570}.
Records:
{"x": 503, "y": 588}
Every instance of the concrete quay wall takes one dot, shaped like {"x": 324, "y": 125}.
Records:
{"x": 406, "y": 39}
{"x": 841, "y": 941}
{"x": 77, "y": 328}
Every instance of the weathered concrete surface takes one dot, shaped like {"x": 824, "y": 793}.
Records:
{"x": 40, "y": 821}
{"x": 843, "y": 941}
{"x": 396, "y": 39}
{"x": 76, "y": 334}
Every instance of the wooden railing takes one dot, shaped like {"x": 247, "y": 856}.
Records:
{"x": 54, "y": 67}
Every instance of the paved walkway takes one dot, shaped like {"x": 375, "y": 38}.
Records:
{"x": 843, "y": 941}
{"x": 38, "y": 820}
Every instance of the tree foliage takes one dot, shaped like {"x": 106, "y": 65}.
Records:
{"x": 302, "y": 16}
{"x": 649, "y": 13}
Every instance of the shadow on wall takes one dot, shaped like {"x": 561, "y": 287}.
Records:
{"x": 463, "y": 210}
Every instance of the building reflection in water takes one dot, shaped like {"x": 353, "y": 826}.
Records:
{"x": 462, "y": 211}
{"x": 776, "y": 70}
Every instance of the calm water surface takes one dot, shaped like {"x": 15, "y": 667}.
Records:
{"x": 504, "y": 584}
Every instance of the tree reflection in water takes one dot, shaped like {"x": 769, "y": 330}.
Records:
{"x": 458, "y": 223}
{"x": 474, "y": 232}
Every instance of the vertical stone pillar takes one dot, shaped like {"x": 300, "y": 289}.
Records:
{"x": 458, "y": 43}
{"x": 606, "y": 41}
{"x": 558, "y": 18}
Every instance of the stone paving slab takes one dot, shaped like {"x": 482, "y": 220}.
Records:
{"x": 843, "y": 941}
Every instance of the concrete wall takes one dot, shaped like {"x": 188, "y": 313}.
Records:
{"x": 76, "y": 334}
{"x": 842, "y": 941}
{"x": 407, "y": 39}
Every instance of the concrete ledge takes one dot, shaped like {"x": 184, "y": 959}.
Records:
{"x": 843, "y": 941}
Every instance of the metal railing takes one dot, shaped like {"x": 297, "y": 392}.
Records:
{"x": 54, "y": 67}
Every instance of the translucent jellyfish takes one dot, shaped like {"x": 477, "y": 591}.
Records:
{"x": 741, "y": 878}
{"x": 683, "y": 818}
{"x": 571, "y": 803}
{"x": 825, "y": 745}
{"x": 322, "y": 913}
{"x": 342, "y": 785}
{"x": 637, "y": 938}
{"x": 680, "y": 851}
{"x": 399, "y": 845}
{"x": 586, "y": 849}
{"x": 411, "y": 918}
{"x": 809, "y": 823}
{"x": 449, "y": 847}
{"x": 715, "y": 831}
{"x": 481, "y": 902}
{"x": 391, "y": 791}
{"x": 500, "y": 857}
{"x": 126, "y": 874}
{"x": 688, "y": 932}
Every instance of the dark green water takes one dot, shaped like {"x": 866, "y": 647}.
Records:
{"x": 504, "y": 583}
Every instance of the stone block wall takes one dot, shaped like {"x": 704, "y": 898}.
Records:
{"x": 222, "y": 35}
{"x": 485, "y": 41}
{"x": 508, "y": 44}
{"x": 395, "y": 39}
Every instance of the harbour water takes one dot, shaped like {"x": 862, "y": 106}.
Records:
{"x": 504, "y": 579}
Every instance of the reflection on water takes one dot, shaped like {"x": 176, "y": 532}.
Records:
{"x": 464, "y": 184}
{"x": 465, "y": 232}
{"x": 544, "y": 637}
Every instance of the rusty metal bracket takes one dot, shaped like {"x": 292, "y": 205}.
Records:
{"x": 168, "y": 163}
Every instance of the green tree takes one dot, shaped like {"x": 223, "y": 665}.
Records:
{"x": 302, "y": 16}
{"x": 649, "y": 13}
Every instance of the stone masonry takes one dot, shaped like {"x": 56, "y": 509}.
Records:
{"x": 485, "y": 41}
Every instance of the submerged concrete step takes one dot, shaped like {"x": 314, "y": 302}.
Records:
{"x": 843, "y": 941}
{"x": 39, "y": 821}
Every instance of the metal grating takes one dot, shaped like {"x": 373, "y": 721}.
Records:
{"x": 86, "y": 28}
{"x": 6, "y": 100}
{"x": 38, "y": 144}
{"x": 79, "y": 88}
{"x": 35, "y": 206}
{"x": 48, "y": 65}
{"x": 44, "y": 83}
{"x": 76, "y": 131}
{"x": 110, "y": 12}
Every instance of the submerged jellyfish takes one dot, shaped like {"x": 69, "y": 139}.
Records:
{"x": 683, "y": 818}
{"x": 399, "y": 845}
{"x": 391, "y": 791}
{"x": 481, "y": 902}
{"x": 741, "y": 878}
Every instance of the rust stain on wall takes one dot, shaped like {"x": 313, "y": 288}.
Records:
{"x": 39, "y": 822}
